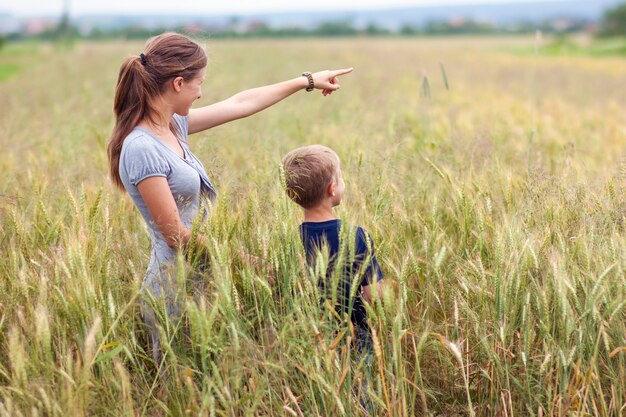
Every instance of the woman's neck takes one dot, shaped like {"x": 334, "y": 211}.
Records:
{"x": 160, "y": 127}
{"x": 157, "y": 129}
{"x": 159, "y": 123}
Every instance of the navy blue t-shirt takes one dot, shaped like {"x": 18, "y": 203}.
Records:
{"x": 317, "y": 235}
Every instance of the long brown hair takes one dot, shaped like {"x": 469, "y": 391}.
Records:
{"x": 140, "y": 82}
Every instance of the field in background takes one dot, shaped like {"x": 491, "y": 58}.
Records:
{"x": 493, "y": 184}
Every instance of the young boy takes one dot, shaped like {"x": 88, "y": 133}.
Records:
{"x": 314, "y": 181}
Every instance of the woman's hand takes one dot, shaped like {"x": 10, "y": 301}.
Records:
{"x": 327, "y": 80}
{"x": 260, "y": 265}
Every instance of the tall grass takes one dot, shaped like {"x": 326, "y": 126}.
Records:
{"x": 507, "y": 285}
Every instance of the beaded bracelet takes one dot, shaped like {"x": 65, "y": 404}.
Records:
{"x": 309, "y": 77}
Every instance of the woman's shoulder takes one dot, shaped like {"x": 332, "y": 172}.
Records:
{"x": 141, "y": 157}
{"x": 138, "y": 141}
{"x": 140, "y": 148}
{"x": 183, "y": 124}
{"x": 182, "y": 121}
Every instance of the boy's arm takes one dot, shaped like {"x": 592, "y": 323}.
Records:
{"x": 373, "y": 280}
{"x": 376, "y": 287}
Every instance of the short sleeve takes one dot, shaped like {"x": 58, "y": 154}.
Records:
{"x": 183, "y": 125}
{"x": 366, "y": 258}
{"x": 142, "y": 159}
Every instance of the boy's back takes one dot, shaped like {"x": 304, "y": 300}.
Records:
{"x": 317, "y": 235}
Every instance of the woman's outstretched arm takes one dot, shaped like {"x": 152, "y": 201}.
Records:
{"x": 251, "y": 101}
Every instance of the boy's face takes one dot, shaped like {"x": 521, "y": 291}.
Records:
{"x": 339, "y": 186}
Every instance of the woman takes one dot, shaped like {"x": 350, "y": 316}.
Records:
{"x": 149, "y": 156}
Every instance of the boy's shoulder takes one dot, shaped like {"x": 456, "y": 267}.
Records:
{"x": 318, "y": 230}
{"x": 321, "y": 227}
{"x": 364, "y": 240}
{"x": 344, "y": 230}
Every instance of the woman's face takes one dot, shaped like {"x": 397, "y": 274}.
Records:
{"x": 190, "y": 91}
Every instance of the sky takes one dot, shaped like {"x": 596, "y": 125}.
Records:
{"x": 81, "y": 7}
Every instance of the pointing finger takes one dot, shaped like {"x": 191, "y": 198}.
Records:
{"x": 343, "y": 71}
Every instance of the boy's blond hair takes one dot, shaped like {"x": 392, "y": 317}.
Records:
{"x": 309, "y": 170}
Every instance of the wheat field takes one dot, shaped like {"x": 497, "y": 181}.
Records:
{"x": 493, "y": 184}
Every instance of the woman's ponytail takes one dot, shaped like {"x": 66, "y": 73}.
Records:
{"x": 133, "y": 92}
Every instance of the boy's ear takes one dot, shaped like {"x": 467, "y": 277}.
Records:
{"x": 330, "y": 191}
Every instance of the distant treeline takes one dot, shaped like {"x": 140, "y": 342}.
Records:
{"x": 327, "y": 29}
{"x": 612, "y": 24}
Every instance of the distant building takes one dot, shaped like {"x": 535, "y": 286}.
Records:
{"x": 36, "y": 26}
{"x": 194, "y": 28}
{"x": 456, "y": 22}
{"x": 254, "y": 26}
